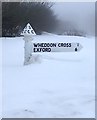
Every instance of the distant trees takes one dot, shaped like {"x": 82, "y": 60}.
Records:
{"x": 15, "y": 15}
{"x": 68, "y": 28}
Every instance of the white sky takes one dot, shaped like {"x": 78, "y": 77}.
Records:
{"x": 81, "y": 14}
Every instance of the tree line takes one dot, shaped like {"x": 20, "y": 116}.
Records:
{"x": 15, "y": 15}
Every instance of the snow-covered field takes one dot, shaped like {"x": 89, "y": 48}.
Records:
{"x": 61, "y": 85}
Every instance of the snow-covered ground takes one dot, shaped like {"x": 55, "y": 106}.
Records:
{"x": 61, "y": 85}
{"x": 0, "y": 79}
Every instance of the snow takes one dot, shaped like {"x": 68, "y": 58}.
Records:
{"x": 60, "y": 85}
{"x": 0, "y": 79}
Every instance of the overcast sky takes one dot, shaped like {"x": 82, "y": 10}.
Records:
{"x": 82, "y": 15}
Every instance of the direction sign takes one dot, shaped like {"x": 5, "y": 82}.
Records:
{"x": 37, "y": 47}
{"x": 56, "y": 47}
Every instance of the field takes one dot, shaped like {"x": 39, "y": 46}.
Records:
{"x": 59, "y": 85}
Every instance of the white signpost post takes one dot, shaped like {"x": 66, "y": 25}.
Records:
{"x": 37, "y": 47}
{"x": 28, "y": 33}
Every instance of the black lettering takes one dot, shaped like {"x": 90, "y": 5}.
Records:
{"x": 41, "y": 49}
{"x": 59, "y": 44}
{"x": 34, "y": 50}
{"x": 69, "y": 44}
{"x": 64, "y": 45}
{"x": 35, "y": 45}
{"x": 76, "y": 49}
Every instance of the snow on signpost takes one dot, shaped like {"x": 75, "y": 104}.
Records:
{"x": 28, "y": 33}
{"x": 36, "y": 47}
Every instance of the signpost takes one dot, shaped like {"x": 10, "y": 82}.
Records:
{"x": 56, "y": 47}
{"x": 37, "y": 47}
{"x": 28, "y": 33}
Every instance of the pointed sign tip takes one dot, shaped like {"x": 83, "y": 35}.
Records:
{"x": 80, "y": 47}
